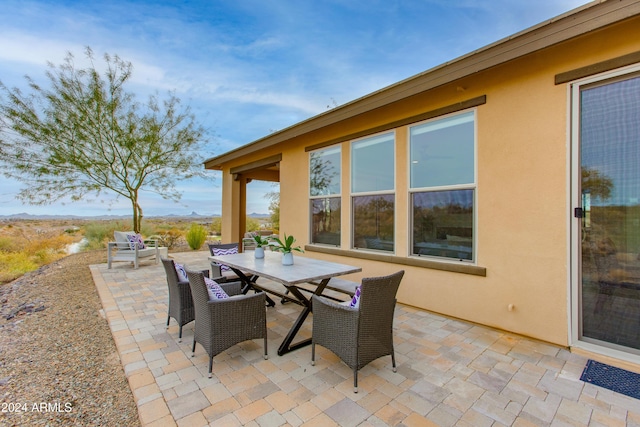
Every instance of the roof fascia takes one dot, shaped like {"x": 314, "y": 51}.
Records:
{"x": 577, "y": 22}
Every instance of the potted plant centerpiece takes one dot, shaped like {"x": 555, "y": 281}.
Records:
{"x": 260, "y": 242}
{"x": 287, "y": 248}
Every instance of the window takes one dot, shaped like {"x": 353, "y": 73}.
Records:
{"x": 372, "y": 192}
{"x": 442, "y": 181}
{"x": 324, "y": 192}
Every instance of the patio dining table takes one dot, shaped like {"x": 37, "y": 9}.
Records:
{"x": 305, "y": 270}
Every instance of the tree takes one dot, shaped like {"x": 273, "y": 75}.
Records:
{"x": 274, "y": 209}
{"x": 84, "y": 134}
{"x": 596, "y": 183}
{"x": 216, "y": 226}
{"x": 252, "y": 224}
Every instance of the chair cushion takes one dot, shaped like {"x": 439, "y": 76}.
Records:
{"x": 214, "y": 290}
{"x": 223, "y": 251}
{"x": 135, "y": 239}
{"x": 146, "y": 252}
{"x": 182, "y": 273}
{"x": 121, "y": 239}
{"x": 355, "y": 301}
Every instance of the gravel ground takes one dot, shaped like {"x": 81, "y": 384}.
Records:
{"x": 58, "y": 362}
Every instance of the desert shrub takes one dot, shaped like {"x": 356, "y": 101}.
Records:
{"x": 196, "y": 236}
{"x": 57, "y": 243}
{"x": 15, "y": 264}
{"x": 27, "y": 247}
{"x": 49, "y": 249}
{"x": 8, "y": 244}
{"x": 99, "y": 233}
{"x": 46, "y": 256}
{"x": 147, "y": 230}
{"x": 216, "y": 226}
{"x": 252, "y": 224}
{"x": 15, "y": 239}
{"x": 168, "y": 238}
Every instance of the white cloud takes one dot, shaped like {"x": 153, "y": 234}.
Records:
{"x": 248, "y": 68}
{"x": 31, "y": 49}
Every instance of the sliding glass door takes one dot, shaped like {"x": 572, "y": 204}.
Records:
{"x": 607, "y": 126}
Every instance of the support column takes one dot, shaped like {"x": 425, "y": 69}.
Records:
{"x": 242, "y": 211}
{"x": 233, "y": 207}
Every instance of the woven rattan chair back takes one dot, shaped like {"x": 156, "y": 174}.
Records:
{"x": 221, "y": 324}
{"x": 216, "y": 269}
{"x": 375, "y": 325}
{"x": 180, "y": 300}
{"x": 358, "y": 335}
{"x": 213, "y": 246}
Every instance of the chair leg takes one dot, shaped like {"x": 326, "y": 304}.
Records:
{"x": 393, "y": 361}
{"x": 193, "y": 350}
{"x": 168, "y": 320}
{"x": 313, "y": 354}
{"x": 266, "y": 353}
{"x": 210, "y": 366}
{"x": 180, "y": 334}
{"x": 355, "y": 380}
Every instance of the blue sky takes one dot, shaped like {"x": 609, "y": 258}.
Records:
{"x": 248, "y": 68}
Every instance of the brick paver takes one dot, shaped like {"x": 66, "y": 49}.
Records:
{"x": 449, "y": 372}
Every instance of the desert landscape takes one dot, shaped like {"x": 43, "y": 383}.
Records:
{"x": 59, "y": 365}
{"x": 58, "y": 352}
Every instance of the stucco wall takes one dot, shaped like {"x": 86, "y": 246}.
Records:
{"x": 523, "y": 171}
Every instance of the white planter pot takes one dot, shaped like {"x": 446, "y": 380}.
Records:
{"x": 259, "y": 253}
{"x": 287, "y": 258}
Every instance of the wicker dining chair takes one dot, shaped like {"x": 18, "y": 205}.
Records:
{"x": 358, "y": 335}
{"x": 223, "y": 323}
{"x": 221, "y": 273}
{"x": 180, "y": 301}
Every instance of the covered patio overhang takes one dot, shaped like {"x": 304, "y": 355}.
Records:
{"x": 234, "y": 194}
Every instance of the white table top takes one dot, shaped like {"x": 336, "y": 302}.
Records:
{"x": 303, "y": 270}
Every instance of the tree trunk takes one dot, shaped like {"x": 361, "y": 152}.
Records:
{"x": 137, "y": 214}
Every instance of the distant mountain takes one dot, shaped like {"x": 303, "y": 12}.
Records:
{"x": 27, "y": 216}
{"x": 192, "y": 215}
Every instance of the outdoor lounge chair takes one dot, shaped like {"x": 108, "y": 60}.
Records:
{"x": 223, "y": 323}
{"x": 180, "y": 300}
{"x": 124, "y": 250}
{"x": 358, "y": 335}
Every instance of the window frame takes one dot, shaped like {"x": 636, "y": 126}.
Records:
{"x": 589, "y": 77}
{"x": 353, "y": 195}
{"x": 470, "y": 186}
{"x": 338, "y": 195}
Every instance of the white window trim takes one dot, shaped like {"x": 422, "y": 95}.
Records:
{"x": 392, "y": 191}
{"x": 395, "y": 221}
{"x": 338, "y": 148}
{"x": 351, "y": 149}
{"x": 473, "y": 186}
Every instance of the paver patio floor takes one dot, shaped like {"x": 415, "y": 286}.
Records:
{"x": 450, "y": 372}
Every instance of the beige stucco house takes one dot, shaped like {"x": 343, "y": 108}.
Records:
{"x": 504, "y": 182}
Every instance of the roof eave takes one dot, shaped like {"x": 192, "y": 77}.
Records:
{"x": 579, "y": 21}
